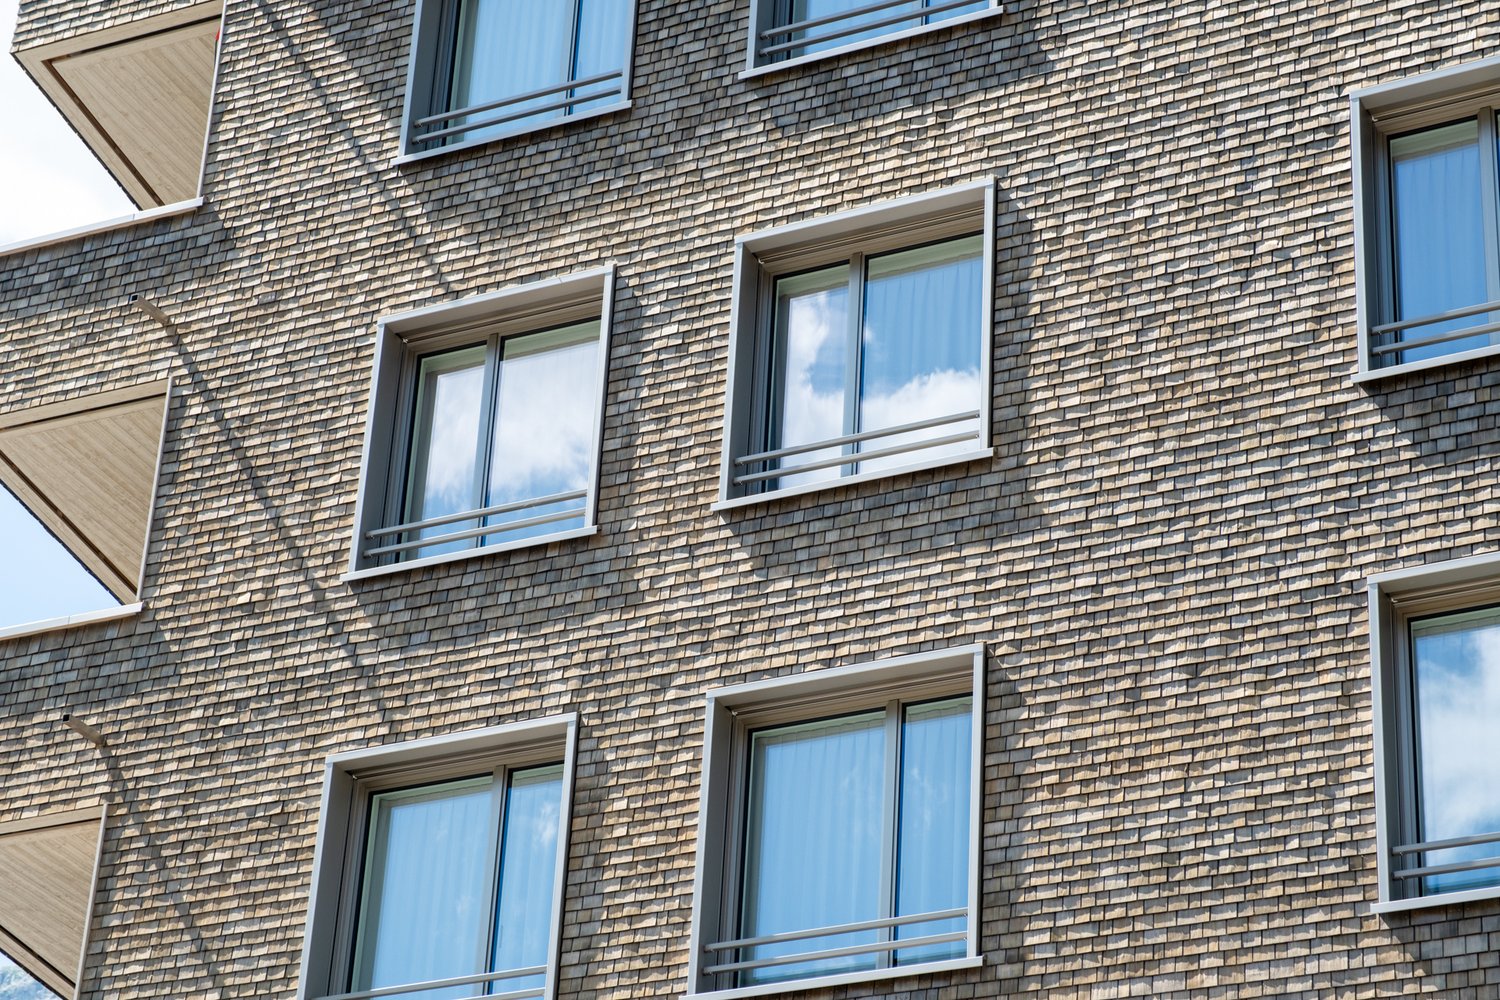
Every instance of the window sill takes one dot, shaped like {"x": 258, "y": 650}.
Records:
{"x": 109, "y": 225}
{"x": 1366, "y": 375}
{"x": 979, "y": 455}
{"x": 427, "y": 154}
{"x": 823, "y": 982}
{"x": 72, "y": 621}
{"x": 868, "y": 43}
{"x": 448, "y": 557}
{"x": 1441, "y": 899}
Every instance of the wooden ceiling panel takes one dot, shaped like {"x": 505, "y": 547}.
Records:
{"x": 46, "y": 881}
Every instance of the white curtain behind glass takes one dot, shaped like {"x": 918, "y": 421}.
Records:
{"x": 1457, "y": 665}
{"x": 528, "y": 866}
{"x": 932, "y": 868}
{"x": 511, "y": 47}
{"x": 425, "y": 899}
{"x": 813, "y": 836}
{"x": 1439, "y": 233}
{"x": 802, "y": 10}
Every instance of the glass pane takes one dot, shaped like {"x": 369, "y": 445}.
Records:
{"x": 833, "y": 34}
{"x": 932, "y": 861}
{"x": 16, "y": 984}
{"x": 810, "y": 368}
{"x": 1457, "y": 679}
{"x": 603, "y": 39}
{"x": 813, "y": 840}
{"x": 528, "y": 865}
{"x": 445, "y": 444}
{"x": 544, "y": 427}
{"x": 506, "y": 48}
{"x": 1438, "y": 233}
{"x": 424, "y": 910}
{"x": 921, "y": 342}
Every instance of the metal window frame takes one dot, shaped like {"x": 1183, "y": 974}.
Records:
{"x": 1395, "y": 599}
{"x": 733, "y": 712}
{"x": 402, "y": 339}
{"x": 349, "y": 780}
{"x": 429, "y": 83}
{"x": 768, "y": 15}
{"x": 760, "y": 258}
{"x": 1376, "y": 114}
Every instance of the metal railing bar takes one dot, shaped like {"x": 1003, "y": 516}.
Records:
{"x": 817, "y": 932}
{"x": 1457, "y": 866}
{"x": 853, "y": 949}
{"x": 864, "y": 456}
{"x": 1407, "y": 324}
{"x": 469, "y": 515}
{"x": 439, "y": 984}
{"x": 483, "y": 529}
{"x": 516, "y": 115}
{"x": 814, "y": 22}
{"x": 916, "y": 425}
{"x": 885, "y": 22}
{"x": 1443, "y": 845}
{"x": 1436, "y": 338}
{"x": 530, "y": 95}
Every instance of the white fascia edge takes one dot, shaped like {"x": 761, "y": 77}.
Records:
{"x": 72, "y": 621}
{"x": 95, "y": 228}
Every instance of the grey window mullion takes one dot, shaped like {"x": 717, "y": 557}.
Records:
{"x": 571, "y": 69}
{"x": 853, "y": 361}
{"x": 1410, "y": 764}
{"x": 497, "y": 817}
{"x": 768, "y": 391}
{"x": 890, "y": 819}
{"x": 488, "y": 408}
{"x": 1489, "y": 174}
{"x": 1387, "y": 308}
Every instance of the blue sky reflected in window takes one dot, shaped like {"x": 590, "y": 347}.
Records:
{"x": 53, "y": 583}
{"x": 15, "y": 984}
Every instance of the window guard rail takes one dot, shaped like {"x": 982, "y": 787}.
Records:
{"x": 505, "y": 102}
{"x": 439, "y": 984}
{"x": 838, "y": 952}
{"x": 1444, "y": 845}
{"x": 469, "y": 515}
{"x": 1391, "y": 329}
{"x": 841, "y": 16}
{"x": 847, "y": 439}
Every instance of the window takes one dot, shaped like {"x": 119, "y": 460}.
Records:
{"x": 787, "y": 32}
{"x": 487, "y": 68}
{"x": 1436, "y": 637}
{"x": 484, "y": 428}
{"x": 861, "y": 345}
{"x": 839, "y": 830}
{"x": 1427, "y": 219}
{"x": 440, "y": 865}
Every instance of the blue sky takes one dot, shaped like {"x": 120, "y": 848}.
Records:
{"x": 48, "y": 183}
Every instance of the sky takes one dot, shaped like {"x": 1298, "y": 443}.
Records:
{"x": 48, "y": 183}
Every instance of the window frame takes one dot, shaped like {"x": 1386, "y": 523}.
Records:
{"x": 760, "y": 258}
{"x": 1396, "y": 599}
{"x": 433, "y": 29}
{"x": 403, "y": 339}
{"x": 351, "y": 777}
{"x": 1377, "y": 114}
{"x": 733, "y": 713}
{"x": 762, "y": 19}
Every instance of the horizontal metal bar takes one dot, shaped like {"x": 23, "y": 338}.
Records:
{"x": 864, "y": 456}
{"x": 885, "y": 22}
{"x": 814, "y": 22}
{"x": 1443, "y": 845}
{"x": 1407, "y": 324}
{"x": 915, "y": 425}
{"x": 439, "y": 984}
{"x": 530, "y": 95}
{"x": 483, "y": 529}
{"x": 1436, "y": 338}
{"x": 469, "y": 515}
{"x": 1457, "y": 866}
{"x": 517, "y": 115}
{"x": 817, "y": 932}
{"x": 853, "y": 949}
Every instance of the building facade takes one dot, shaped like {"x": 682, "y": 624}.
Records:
{"x": 1128, "y": 629}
